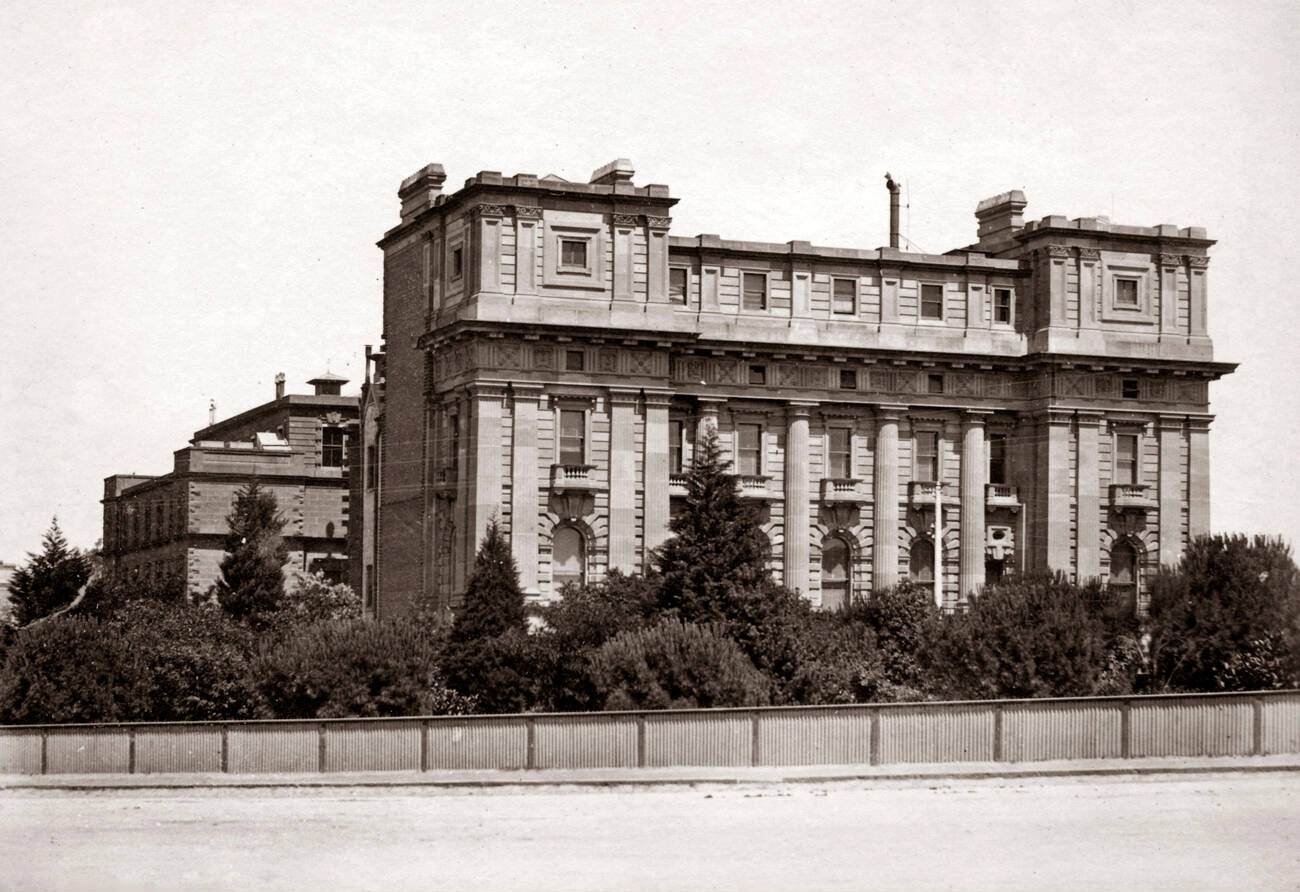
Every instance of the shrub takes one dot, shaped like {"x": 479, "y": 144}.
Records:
{"x": 312, "y": 598}
{"x": 903, "y": 619}
{"x": 675, "y": 665}
{"x": 111, "y": 590}
{"x": 340, "y": 668}
{"x": 1227, "y": 618}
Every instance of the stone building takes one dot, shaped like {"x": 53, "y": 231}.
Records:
{"x": 296, "y": 446}
{"x": 1035, "y": 399}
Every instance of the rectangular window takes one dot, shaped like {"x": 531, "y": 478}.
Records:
{"x": 749, "y": 449}
{"x": 372, "y": 466}
{"x": 677, "y": 285}
{"x": 675, "y": 431}
{"x": 931, "y": 301}
{"x": 998, "y": 458}
{"x": 848, "y": 379}
{"x": 934, "y": 384}
{"x": 1126, "y": 459}
{"x": 573, "y": 437}
{"x": 1126, "y": 292}
{"x": 331, "y": 450}
{"x": 840, "y": 458}
{"x": 454, "y": 439}
{"x": 927, "y": 457}
{"x": 457, "y": 262}
{"x": 574, "y": 360}
{"x": 844, "y": 299}
{"x": 758, "y": 374}
{"x": 1002, "y": 305}
{"x": 755, "y": 291}
{"x": 573, "y": 253}
{"x": 1128, "y": 388}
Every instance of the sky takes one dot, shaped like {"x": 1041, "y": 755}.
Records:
{"x": 190, "y": 193}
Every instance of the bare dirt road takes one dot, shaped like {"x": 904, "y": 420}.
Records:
{"x": 1227, "y": 831}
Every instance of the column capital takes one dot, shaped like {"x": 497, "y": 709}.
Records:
{"x": 800, "y": 408}
{"x": 525, "y": 212}
{"x": 971, "y": 417}
{"x": 487, "y": 390}
{"x": 1199, "y": 422}
{"x": 1171, "y": 422}
{"x": 1055, "y": 417}
{"x": 889, "y": 411}
{"x": 523, "y": 390}
{"x": 1089, "y": 419}
{"x": 709, "y": 405}
{"x": 658, "y": 399}
{"x": 622, "y": 396}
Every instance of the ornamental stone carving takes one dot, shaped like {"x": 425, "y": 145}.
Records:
{"x": 625, "y": 220}
{"x": 490, "y": 210}
{"x": 523, "y": 212}
{"x": 1171, "y": 260}
{"x": 658, "y": 222}
{"x": 1058, "y": 252}
{"x": 1197, "y": 262}
{"x": 1089, "y": 255}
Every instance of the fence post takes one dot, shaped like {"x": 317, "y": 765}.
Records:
{"x": 225, "y": 749}
{"x": 997, "y": 733}
{"x": 874, "y": 742}
{"x": 640, "y": 740}
{"x": 1126, "y": 729}
{"x": 532, "y": 743}
{"x": 320, "y": 747}
{"x": 45, "y": 750}
{"x": 1257, "y": 727}
{"x": 755, "y": 753}
{"x": 424, "y": 745}
{"x": 130, "y": 750}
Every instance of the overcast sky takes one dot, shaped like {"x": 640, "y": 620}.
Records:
{"x": 190, "y": 192}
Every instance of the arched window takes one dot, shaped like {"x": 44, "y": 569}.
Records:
{"x": 1124, "y": 567}
{"x": 920, "y": 561}
{"x": 836, "y": 564}
{"x": 569, "y": 563}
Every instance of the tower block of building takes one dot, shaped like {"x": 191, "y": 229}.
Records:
{"x": 1037, "y": 399}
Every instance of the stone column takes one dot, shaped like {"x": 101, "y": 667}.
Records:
{"x": 485, "y": 467}
{"x": 1198, "y": 475}
{"x": 708, "y": 418}
{"x": 1087, "y": 498}
{"x": 657, "y": 259}
{"x": 796, "y": 497}
{"x": 655, "y": 512}
{"x": 464, "y": 489}
{"x": 1196, "y": 311}
{"x": 523, "y": 484}
{"x": 1170, "y": 429}
{"x": 622, "y": 479}
{"x": 1051, "y": 534}
{"x": 527, "y": 220}
{"x": 974, "y": 474}
{"x": 1170, "y": 265}
{"x": 884, "y": 563}
{"x": 625, "y": 227}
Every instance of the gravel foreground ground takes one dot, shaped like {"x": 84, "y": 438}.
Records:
{"x": 1211, "y": 831}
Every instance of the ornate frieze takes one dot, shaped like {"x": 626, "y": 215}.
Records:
{"x": 1171, "y": 259}
{"x": 524, "y": 212}
{"x": 625, "y": 220}
{"x": 1089, "y": 255}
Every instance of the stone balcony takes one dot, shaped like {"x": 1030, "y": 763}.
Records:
{"x": 1131, "y": 497}
{"x": 843, "y": 490}
{"x": 1001, "y": 495}
{"x": 579, "y": 478}
{"x": 445, "y": 484}
{"x": 921, "y": 494}
{"x": 754, "y": 486}
{"x": 677, "y": 484}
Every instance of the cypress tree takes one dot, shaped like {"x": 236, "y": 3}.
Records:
{"x": 494, "y": 603}
{"x": 49, "y": 580}
{"x": 717, "y": 556}
{"x": 251, "y": 586}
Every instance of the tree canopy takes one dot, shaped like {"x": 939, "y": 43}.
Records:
{"x": 49, "y": 580}
{"x": 251, "y": 586}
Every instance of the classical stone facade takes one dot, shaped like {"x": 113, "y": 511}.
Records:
{"x": 553, "y": 353}
{"x": 296, "y": 446}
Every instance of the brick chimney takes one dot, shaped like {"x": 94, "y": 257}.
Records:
{"x": 279, "y": 386}
{"x": 419, "y": 191}
{"x": 999, "y": 218}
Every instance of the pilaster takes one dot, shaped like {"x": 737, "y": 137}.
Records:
{"x": 1088, "y": 498}
{"x": 527, "y": 219}
{"x": 485, "y": 469}
{"x": 1051, "y": 535}
{"x": 1169, "y": 266}
{"x": 657, "y": 259}
{"x": 884, "y": 570}
{"x": 1170, "y": 431}
{"x": 655, "y": 513}
{"x": 622, "y": 479}
{"x": 523, "y": 484}
{"x": 708, "y": 416}
{"x": 796, "y": 497}
{"x": 974, "y": 476}
{"x": 488, "y": 242}
{"x": 625, "y": 226}
{"x": 1196, "y": 295}
{"x": 1198, "y": 475}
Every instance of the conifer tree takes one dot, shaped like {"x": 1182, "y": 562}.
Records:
{"x": 494, "y": 603}
{"x": 718, "y": 553}
{"x": 251, "y": 586}
{"x": 49, "y": 580}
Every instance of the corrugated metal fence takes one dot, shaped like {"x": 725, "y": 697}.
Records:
{"x": 876, "y": 734}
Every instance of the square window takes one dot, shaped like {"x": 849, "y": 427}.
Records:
{"x": 934, "y": 384}
{"x": 749, "y": 449}
{"x": 848, "y": 379}
{"x": 931, "y": 301}
{"x": 844, "y": 299}
{"x": 573, "y": 253}
{"x": 839, "y": 459}
{"x": 758, "y": 374}
{"x": 1129, "y": 388}
{"x": 573, "y": 437}
{"x": 926, "y": 465}
{"x": 755, "y": 291}
{"x": 574, "y": 361}
{"x": 1002, "y": 305}
{"x": 677, "y": 285}
{"x": 1126, "y": 292}
{"x": 457, "y": 262}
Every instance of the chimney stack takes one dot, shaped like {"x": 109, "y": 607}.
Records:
{"x": 212, "y": 412}
{"x": 999, "y": 218}
{"x": 893, "y": 210}
{"x": 419, "y": 191}
{"x": 279, "y": 386}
